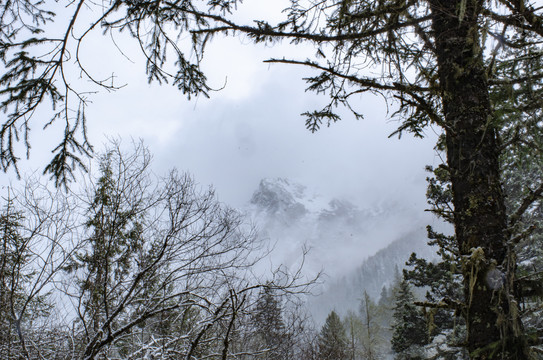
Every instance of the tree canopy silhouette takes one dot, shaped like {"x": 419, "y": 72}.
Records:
{"x": 469, "y": 67}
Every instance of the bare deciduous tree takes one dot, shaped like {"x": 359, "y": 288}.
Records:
{"x": 129, "y": 266}
{"x": 443, "y": 61}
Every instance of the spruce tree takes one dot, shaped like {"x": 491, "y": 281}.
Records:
{"x": 410, "y": 330}
{"x": 441, "y": 60}
{"x": 385, "y": 307}
{"x": 268, "y": 325}
{"x": 20, "y": 302}
{"x": 332, "y": 339}
{"x": 441, "y": 280}
{"x": 522, "y": 162}
{"x": 13, "y": 258}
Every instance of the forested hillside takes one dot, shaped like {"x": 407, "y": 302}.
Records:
{"x": 374, "y": 276}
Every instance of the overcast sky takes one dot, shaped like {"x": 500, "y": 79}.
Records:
{"x": 252, "y": 128}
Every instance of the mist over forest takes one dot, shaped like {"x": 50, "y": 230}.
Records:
{"x": 387, "y": 204}
{"x": 142, "y": 244}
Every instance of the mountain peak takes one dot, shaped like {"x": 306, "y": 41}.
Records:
{"x": 280, "y": 195}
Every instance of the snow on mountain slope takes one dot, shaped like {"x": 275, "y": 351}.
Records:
{"x": 346, "y": 292}
{"x": 338, "y": 233}
{"x": 359, "y": 247}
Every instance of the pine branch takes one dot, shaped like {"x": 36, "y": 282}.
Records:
{"x": 265, "y": 31}
{"x": 444, "y": 303}
{"x": 533, "y": 196}
{"x": 364, "y": 82}
{"x": 523, "y": 235}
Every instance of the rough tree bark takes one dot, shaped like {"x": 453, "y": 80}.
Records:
{"x": 494, "y": 329}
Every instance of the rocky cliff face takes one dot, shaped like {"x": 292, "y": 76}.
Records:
{"x": 280, "y": 200}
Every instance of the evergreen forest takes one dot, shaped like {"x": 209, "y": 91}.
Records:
{"x": 111, "y": 261}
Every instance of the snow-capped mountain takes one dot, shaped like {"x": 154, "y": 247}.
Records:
{"x": 359, "y": 247}
{"x": 280, "y": 201}
{"x": 338, "y": 233}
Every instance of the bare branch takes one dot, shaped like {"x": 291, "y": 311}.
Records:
{"x": 532, "y": 197}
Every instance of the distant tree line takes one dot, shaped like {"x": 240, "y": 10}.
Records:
{"x": 135, "y": 266}
{"x": 471, "y": 70}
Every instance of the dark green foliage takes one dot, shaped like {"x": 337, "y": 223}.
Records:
{"x": 268, "y": 325}
{"x": 315, "y": 118}
{"x": 386, "y": 306}
{"x": 518, "y": 113}
{"x": 113, "y": 247}
{"x": 37, "y": 73}
{"x": 438, "y": 278}
{"x": 442, "y": 282}
{"x": 19, "y": 304}
{"x": 471, "y": 68}
{"x": 13, "y": 257}
{"x": 332, "y": 339}
{"x": 30, "y": 80}
{"x": 410, "y": 326}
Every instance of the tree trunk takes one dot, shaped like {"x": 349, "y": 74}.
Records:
{"x": 493, "y": 327}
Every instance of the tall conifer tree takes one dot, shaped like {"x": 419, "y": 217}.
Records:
{"x": 268, "y": 325}
{"x": 332, "y": 339}
{"x": 441, "y": 60}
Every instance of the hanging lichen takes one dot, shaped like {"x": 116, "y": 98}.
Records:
{"x": 462, "y": 10}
